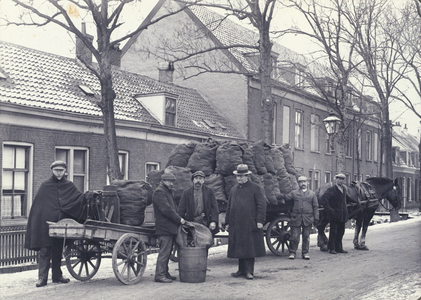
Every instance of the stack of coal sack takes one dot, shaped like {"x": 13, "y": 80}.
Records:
{"x": 272, "y": 167}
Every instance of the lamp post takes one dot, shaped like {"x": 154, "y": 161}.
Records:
{"x": 331, "y": 123}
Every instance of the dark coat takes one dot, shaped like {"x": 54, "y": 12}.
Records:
{"x": 186, "y": 207}
{"x": 166, "y": 217}
{"x": 305, "y": 209}
{"x": 55, "y": 200}
{"x": 246, "y": 207}
{"x": 334, "y": 203}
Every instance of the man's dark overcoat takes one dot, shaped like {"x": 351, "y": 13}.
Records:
{"x": 334, "y": 203}
{"x": 166, "y": 216}
{"x": 186, "y": 208}
{"x": 246, "y": 207}
{"x": 55, "y": 200}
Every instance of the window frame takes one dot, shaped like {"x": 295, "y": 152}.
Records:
{"x": 286, "y": 117}
{"x": 169, "y": 112}
{"x": 151, "y": 163}
{"x": 29, "y": 176}
{"x": 299, "y": 138}
{"x": 315, "y": 133}
{"x": 70, "y": 164}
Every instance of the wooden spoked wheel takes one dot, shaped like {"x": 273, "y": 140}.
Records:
{"x": 83, "y": 258}
{"x": 278, "y": 234}
{"x": 129, "y": 258}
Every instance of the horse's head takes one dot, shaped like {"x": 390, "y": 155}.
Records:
{"x": 387, "y": 188}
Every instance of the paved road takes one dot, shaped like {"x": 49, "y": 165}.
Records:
{"x": 390, "y": 270}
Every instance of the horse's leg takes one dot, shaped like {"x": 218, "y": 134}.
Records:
{"x": 367, "y": 219}
{"x": 358, "y": 223}
{"x": 322, "y": 239}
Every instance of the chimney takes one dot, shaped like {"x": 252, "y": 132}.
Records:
{"x": 405, "y": 130}
{"x": 82, "y": 52}
{"x": 166, "y": 71}
{"x": 116, "y": 55}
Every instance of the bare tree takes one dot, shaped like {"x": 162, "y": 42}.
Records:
{"x": 200, "y": 50}
{"x": 105, "y": 14}
{"x": 334, "y": 65}
{"x": 372, "y": 22}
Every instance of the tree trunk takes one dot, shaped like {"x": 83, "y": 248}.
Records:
{"x": 340, "y": 150}
{"x": 265, "y": 85}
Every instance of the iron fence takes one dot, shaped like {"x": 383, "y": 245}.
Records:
{"x": 12, "y": 252}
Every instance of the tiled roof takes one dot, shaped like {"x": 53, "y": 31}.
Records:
{"x": 51, "y": 82}
{"x": 405, "y": 141}
{"x": 230, "y": 33}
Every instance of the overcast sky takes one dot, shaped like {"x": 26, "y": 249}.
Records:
{"x": 53, "y": 39}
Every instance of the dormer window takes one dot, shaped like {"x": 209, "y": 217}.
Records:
{"x": 86, "y": 89}
{"x": 299, "y": 77}
{"x": 170, "y": 111}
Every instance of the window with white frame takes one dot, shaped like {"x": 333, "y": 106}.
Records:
{"x": 299, "y": 140}
{"x": 299, "y": 77}
{"x": 151, "y": 166}
{"x": 285, "y": 124}
{"x": 315, "y": 129}
{"x": 376, "y": 147}
{"x": 123, "y": 162}
{"x": 170, "y": 111}
{"x": 328, "y": 177}
{"x": 76, "y": 159}
{"x": 359, "y": 149}
{"x": 369, "y": 145}
{"x": 16, "y": 180}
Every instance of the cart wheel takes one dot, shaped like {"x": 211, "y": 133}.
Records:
{"x": 129, "y": 258}
{"x": 277, "y": 236}
{"x": 174, "y": 253}
{"x": 83, "y": 258}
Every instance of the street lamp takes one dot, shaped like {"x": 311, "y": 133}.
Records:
{"x": 331, "y": 124}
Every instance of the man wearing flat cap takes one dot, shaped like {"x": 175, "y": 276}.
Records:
{"x": 334, "y": 201}
{"x": 245, "y": 217}
{"x": 198, "y": 204}
{"x": 56, "y": 199}
{"x": 167, "y": 221}
{"x": 304, "y": 213}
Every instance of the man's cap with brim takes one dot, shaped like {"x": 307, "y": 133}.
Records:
{"x": 198, "y": 174}
{"x": 168, "y": 177}
{"x": 340, "y": 175}
{"x": 302, "y": 178}
{"x": 58, "y": 164}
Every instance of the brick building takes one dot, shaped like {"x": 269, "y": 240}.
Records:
{"x": 48, "y": 112}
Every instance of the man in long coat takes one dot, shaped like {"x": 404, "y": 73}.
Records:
{"x": 56, "y": 199}
{"x": 198, "y": 204}
{"x": 304, "y": 213}
{"x": 245, "y": 216}
{"x": 167, "y": 221}
{"x": 334, "y": 201}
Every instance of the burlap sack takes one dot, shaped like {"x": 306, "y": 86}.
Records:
{"x": 289, "y": 162}
{"x": 182, "y": 181}
{"x": 180, "y": 155}
{"x": 259, "y": 157}
{"x": 134, "y": 197}
{"x": 203, "y": 158}
{"x": 217, "y": 184}
{"x": 248, "y": 158}
{"x": 228, "y": 157}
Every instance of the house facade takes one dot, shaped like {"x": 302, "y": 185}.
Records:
{"x": 227, "y": 79}
{"x": 48, "y": 111}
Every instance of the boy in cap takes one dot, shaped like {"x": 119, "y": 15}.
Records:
{"x": 56, "y": 199}
{"x": 305, "y": 212}
{"x": 198, "y": 203}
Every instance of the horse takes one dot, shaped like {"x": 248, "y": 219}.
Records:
{"x": 364, "y": 200}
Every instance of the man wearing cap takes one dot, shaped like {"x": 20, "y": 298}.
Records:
{"x": 167, "y": 221}
{"x": 334, "y": 201}
{"x": 304, "y": 213}
{"x": 56, "y": 199}
{"x": 198, "y": 203}
{"x": 245, "y": 216}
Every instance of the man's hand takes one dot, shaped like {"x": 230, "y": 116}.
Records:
{"x": 316, "y": 222}
{"x": 259, "y": 225}
{"x": 212, "y": 226}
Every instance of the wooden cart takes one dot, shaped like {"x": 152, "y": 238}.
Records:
{"x": 86, "y": 244}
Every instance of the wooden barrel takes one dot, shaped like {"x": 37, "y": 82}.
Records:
{"x": 192, "y": 264}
